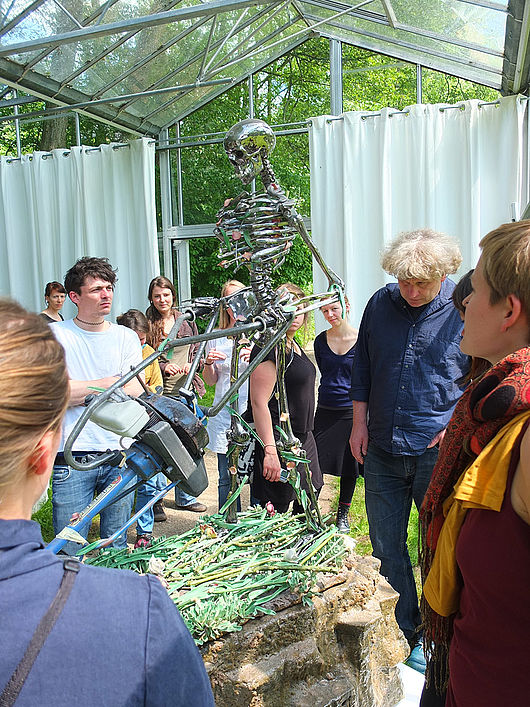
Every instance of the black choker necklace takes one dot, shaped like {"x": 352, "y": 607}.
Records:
{"x": 89, "y": 323}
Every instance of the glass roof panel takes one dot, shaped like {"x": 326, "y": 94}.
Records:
{"x": 461, "y": 37}
{"x": 426, "y": 46}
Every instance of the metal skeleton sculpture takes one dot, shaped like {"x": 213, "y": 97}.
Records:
{"x": 257, "y": 230}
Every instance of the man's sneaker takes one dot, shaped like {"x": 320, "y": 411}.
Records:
{"x": 193, "y": 507}
{"x": 143, "y": 541}
{"x": 159, "y": 512}
{"x": 416, "y": 659}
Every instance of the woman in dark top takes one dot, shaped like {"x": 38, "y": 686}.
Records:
{"x": 54, "y": 296}
{"x": 263, "y": 410}
{"x": 334, "y": 416}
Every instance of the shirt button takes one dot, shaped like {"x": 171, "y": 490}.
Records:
{"x": 410, "y": 346}
{"x": 402, "y": 387}
{"x": 399, "y": 407}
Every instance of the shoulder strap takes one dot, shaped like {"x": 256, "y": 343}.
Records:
{"x": 17, "y": 680}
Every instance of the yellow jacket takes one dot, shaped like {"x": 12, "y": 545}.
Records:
{"x": 153, "y": 374}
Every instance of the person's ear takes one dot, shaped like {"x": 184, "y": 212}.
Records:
{"x": 513, "y": 312}
{"x": 42, "y": 458}
{"x": 74, "y": 297}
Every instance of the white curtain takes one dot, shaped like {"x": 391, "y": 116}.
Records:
{"x": 84, "y": 201}
{"x": 457, "y": 170}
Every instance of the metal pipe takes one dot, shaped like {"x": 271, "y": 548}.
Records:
{"x": 153, "y": 20}
{"x": 17, "y": 127}
{"x": 218, "y": 141}
{"x": 335, "y": 76}
{"x": 419, "y": 96}
{"x": 121, "y": 99}
{"x": 165, "y": 202}
{"x": 77, "y": 129}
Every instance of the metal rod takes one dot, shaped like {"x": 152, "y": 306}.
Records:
{"x": 68, "y": 13}
{"x": 193, "y": 59}
{"x": 227, "y": 38}
{"x": 522, "y": 49}
{"x": 66, "y": 153}
{"x": 215, "y": 409}
{"x": 145, "y": 60}
{"x": 207, "y": 48}
{"x": 14, "y": 22}
{"x": 153, "y": 20}
{"x": 377, "y": 114}
{"x": 77, "y": 129}
{"x": 276, "y": 10}
{"x": 180, "y": 191}
{"x": 219, "y": 141}
{"x": 17, "y": 101}
{"x": 335, "y": 76}
{"x": 419, "y": 95}
{"x": 119, "y": 99}
{"x": 165, "y": 202}
{"x": 425, "y": 51}
{"x": 17, "y": 127}
{"x": 306, "y": 30}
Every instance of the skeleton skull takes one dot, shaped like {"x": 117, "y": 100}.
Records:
{"x": 245, "y": 143}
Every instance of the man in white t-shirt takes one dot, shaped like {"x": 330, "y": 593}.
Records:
{"x": 97, "y": 353}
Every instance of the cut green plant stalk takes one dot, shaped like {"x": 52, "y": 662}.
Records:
{"x": 221, "y": 574}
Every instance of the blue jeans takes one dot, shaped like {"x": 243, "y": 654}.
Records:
{"x": 144, "y": 524}
{"x": 182, "y": 498}
{"x": 391, "y": 482}
{"x": 73, "y": 490}
{"x": 224, "y": 481}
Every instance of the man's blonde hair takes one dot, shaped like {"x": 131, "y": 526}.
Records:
{"x": 423, "y": 254}
{"x": 506, "y": 262}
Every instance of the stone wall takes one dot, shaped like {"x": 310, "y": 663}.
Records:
{"x": 343, "y": 650}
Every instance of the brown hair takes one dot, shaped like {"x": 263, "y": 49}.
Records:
{"x": 135, "y": 320}
{"x": 34, "y": 388}
{"x": 460, "y": 293}
{"x": 506, "y": 262}
{"x": 155, "y": 335}
{"x": 223, "y": 315}
{"x": 54, "y": 286}
{"x": 88, "y": 267}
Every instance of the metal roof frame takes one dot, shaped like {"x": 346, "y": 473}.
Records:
{"x": 233, "y": 39}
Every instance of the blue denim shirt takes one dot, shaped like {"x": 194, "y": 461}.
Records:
{"x": 407, "y": 370}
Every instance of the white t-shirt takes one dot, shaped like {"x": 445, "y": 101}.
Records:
{"x": 91, "y": 355}
{"x": 217, "y": 426}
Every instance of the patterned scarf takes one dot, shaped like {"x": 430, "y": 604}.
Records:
{"x": 485, "y": 407}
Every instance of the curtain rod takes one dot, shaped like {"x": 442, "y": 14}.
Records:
{"x": 376, "y": 114}
{"x": 66, "y": 153}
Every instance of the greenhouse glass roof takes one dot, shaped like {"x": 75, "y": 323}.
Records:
{"x": 144, "y": 64}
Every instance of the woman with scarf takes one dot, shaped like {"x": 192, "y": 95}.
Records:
{"x": 475, "y": 519}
